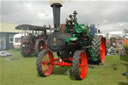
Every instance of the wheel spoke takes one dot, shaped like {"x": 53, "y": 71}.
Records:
{"x": 81, "y": 65}
{"x": 43, "y": 69}
{"x": 46, "y": 68}
{"x": 46, "y": 61}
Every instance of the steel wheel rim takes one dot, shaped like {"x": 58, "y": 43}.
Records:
{"x": 102, "y": 50}
{"x": 83, "y": 65}
{"x": 47, "y": 63}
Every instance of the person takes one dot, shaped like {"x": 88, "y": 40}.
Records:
{"x": 2, "y": 45}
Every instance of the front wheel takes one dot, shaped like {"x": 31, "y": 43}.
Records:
{"x": 45, "y": 63}
{"x": 80, "y": 65}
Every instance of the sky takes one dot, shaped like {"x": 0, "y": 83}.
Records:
{"x": 106, "y": 15}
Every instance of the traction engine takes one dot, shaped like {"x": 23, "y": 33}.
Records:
{"x": 75, "y": 47}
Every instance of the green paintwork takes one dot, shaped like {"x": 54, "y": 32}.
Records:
{"x": 69, "y": 39}
{"x": 74, "y": 35}
{"x": 93, "y": 55}
{"x": 87, "y": 30}
{"x": 80, "y": 30}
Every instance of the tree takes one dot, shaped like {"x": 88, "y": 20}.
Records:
{"x": 126, "y": 30}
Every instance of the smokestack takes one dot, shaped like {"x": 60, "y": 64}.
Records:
{"x": 56, "y": 15}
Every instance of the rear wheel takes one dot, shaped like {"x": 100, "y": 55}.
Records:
{"x": 39, "y": 45}
{"x": 80, "y": 65}
{"x": 98, "y": 46}
{"x": 45, "y": 63}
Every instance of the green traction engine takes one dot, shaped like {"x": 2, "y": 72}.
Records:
{"x": 77, "y": 46}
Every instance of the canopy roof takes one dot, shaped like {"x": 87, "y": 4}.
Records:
{"x": 31, "y": 27}
{"x": 116, "y": 32}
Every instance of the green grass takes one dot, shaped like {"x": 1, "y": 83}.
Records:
{"x": 22, "y": 71}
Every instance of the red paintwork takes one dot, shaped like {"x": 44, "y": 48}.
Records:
{"x": 63, "y": 59}
{"x": 83, "y": 65}
{"x": 50, "y": 67}
{"x": 69, "y": 59}
{"x": 27, "y": 51}
{"x": 62, "y": 63}
{"x": 102, "y": 50}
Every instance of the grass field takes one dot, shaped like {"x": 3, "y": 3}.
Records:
{"x": 22, "y": 71}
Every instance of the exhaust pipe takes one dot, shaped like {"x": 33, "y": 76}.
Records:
{"x": 56, "y": 15}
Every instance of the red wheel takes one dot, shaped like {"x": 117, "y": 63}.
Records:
{"x": 102, "y": 50}
{"x": 80, "y": 65}
{"x": 98, "y": 46}
{"x": 45, "y": 63}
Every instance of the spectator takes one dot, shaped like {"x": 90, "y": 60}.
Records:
{"x": 2, "y": 45}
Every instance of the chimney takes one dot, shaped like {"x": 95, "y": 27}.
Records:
{"x": 56, "y": 15}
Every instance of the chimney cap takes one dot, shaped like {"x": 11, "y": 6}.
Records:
{"x": 56, "y": 4}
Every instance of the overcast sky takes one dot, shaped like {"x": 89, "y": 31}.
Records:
{"x": 106, "y": 15}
